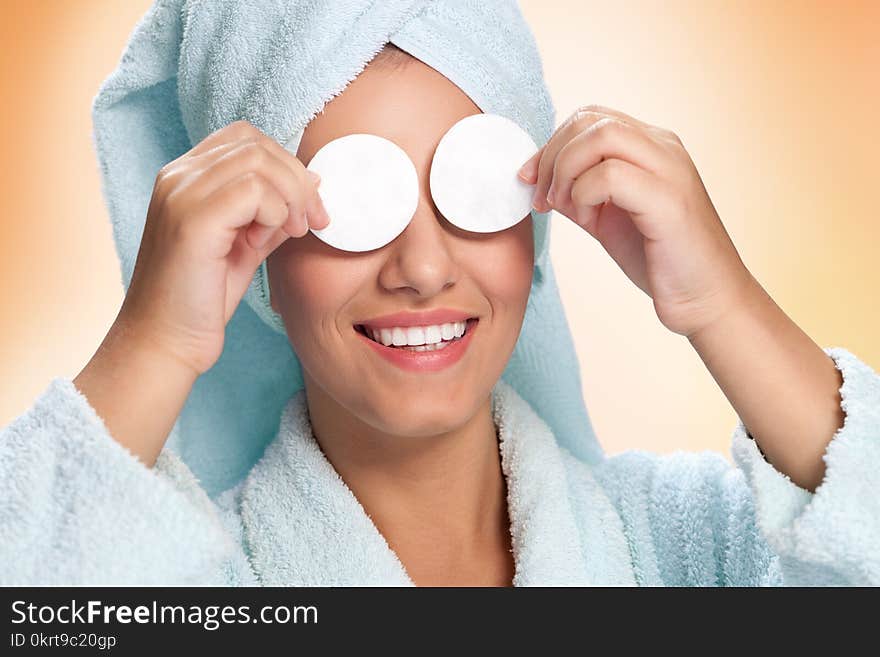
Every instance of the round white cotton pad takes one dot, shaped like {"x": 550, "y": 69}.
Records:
{"x": 473, "y": 174}
{"x": 370, "y": 189}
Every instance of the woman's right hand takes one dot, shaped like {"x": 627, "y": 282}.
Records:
{"x": 216, "y": 213}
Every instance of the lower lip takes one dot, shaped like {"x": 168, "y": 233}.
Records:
{"x": 424, "y": 361}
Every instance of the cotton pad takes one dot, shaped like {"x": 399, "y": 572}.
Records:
{"x": 370, "y": 189}
{"x": 474, "y": 179}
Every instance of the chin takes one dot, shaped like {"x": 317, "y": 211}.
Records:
{"x": 422, "y": 416}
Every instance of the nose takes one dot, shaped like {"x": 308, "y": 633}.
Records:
{"x": 421, "y": 260}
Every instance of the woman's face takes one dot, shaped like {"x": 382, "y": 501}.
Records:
{"x": 323, "y": 293}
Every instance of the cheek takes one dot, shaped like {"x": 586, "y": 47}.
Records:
{"x": 502, "y": 267}
{"x": 309, "y": 290}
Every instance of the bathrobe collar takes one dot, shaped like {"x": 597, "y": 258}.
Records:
{"x": 302, "y": 525}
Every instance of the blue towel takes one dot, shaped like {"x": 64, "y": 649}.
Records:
{"x": 192, "y": 67}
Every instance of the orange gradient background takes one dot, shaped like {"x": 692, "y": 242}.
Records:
{"x": 776, "y": 102}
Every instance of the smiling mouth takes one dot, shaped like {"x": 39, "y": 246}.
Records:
{"x": 434, "y": 337}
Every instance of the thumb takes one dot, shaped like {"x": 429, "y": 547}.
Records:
{"x": 277, "y": 239}
{"x": 528, "y": 172}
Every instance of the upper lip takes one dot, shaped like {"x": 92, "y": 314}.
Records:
{"x": 419, "y": 318}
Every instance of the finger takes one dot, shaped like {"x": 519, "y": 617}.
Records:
{"x": 245, "y": 258}
{"x": 657, "y": 131}
{"x": 254, "y": 156}
{"x": 643, "y": 194}
{"x": 602, "y": 110}
{"x": 247, "y": 132}
{"x": 243, "y": 263}
{"x": 316, "y": 212}
{"x": 230, "y": 142}
{"x": 242, "y": 132}
{"x": 277, "y": 239}
{"x": 285, "y": 156}
{"x": 183, "y": 167}
{"x": 295, "y": 225}
{"x": 271, "y": 215}
{"x": 580, "y": 120}
{"x": 606, "y": 139}
{"x": 217, "y": 146}
{"x": 314, "y": 207}
{"x": 528, "y": 172}
{"x": 222, "y": 148}
{"x": 246, "y": 199}
{"x": 258, "y": 234}
{"x": 573, "y": 125}
{"x": 232, "y": 132}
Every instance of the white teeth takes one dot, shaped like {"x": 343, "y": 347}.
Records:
{"x": 418, "y": 336}
{"x": 398, "y": 336}
{"x": 415, "y": 335}
{"x": 432, "y": 334}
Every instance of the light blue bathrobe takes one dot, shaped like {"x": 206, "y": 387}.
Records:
{"x": 78, "y": 508}
{"x": 242, "y": 495}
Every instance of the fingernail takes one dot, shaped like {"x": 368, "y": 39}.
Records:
{"x": 321, "y": 215}
{"x": 314, "y": 176}
{"x": 551, "y": 196}
{"x": 528, "y": 170}
{"x": 320, "y": 221}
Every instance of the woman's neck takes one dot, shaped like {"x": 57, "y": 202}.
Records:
{"x": 440, "y": 501}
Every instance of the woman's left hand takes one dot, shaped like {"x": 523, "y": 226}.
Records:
{"x": 634, "y": 188}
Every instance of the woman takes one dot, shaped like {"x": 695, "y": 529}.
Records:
{"x": 420, "y": 468}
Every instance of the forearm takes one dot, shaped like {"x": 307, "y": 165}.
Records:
{"x": 137, "y": 390}
{"x": 782, "y": 385}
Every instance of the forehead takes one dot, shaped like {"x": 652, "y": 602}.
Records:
{"x": 413, "y": 106}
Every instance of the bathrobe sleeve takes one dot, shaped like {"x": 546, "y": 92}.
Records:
{"x": 831, "y": 536}
{"x": 78, "y": 508}
{"x": 693, "y": 519}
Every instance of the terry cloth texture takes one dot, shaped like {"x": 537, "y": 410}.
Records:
{"x": 78, "y": 508}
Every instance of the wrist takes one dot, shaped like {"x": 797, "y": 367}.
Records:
{"x": 746, "y": 304}
{"x": 137, "y": 389}
{"x": 131, "y": 343}
{"x": 129, "y": 361}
